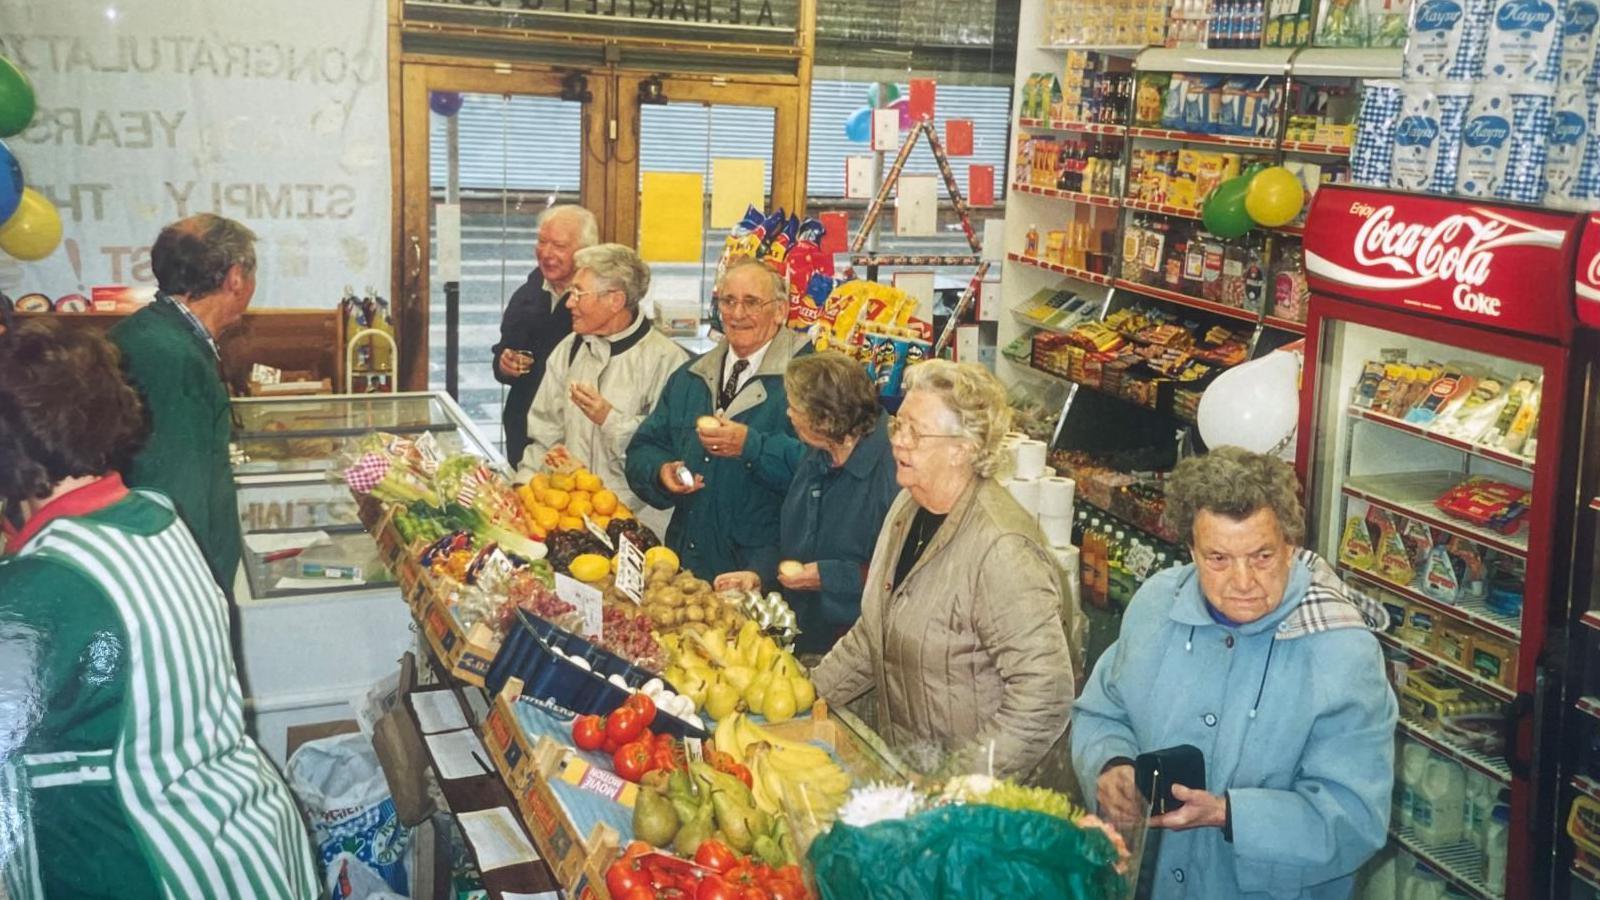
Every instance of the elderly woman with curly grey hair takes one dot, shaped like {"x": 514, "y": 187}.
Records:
{"x": 962, "y": 634}
{"x": 602, "y": 380}
{"x": 1259, "y": 656}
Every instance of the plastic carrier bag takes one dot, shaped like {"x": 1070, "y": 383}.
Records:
{"x": 968, "y": 852}
{"x": 341, "y": 786}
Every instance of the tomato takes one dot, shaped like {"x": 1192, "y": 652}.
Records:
{"x": 624, "y": 725}
{"x": 643, "y": 705}
{"x": 715, "y": 856}
{"x": 713, "y": 887}
{"x": 743, "y": 774}
{"x": 752, "y": 892}
{"x": 637, "y": 892}
{"x": 623, "y": 876}
{"x": 589, "y": 732}
{"x": 631, "y": 761}
{"x": 637, "y": 848}
{"x": 781, "y": 889}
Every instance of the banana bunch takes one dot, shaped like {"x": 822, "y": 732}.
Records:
{"x": 750, "y": 673}
{"x": 783, "y": 772}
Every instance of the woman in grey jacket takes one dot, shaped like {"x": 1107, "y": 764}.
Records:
{"x": 961, "y": 631}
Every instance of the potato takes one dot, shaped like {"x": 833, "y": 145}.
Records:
{"x": 790, "y": 568}
{"x": 707, "y": 423}
{"x": 694, "y": 613}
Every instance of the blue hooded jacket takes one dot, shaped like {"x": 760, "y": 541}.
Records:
{"x": 1293, "y": 713}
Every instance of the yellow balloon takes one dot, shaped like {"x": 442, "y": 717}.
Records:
{"x": 1274, "y": 197}
{"x": 34, "y": 230}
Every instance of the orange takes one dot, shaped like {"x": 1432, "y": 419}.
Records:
{"x": 605, "y": 503}
{"x": 587, "y": 480}
{"x": 561, "y": 482}
{"x": 556, "y": 499}
{"x": 581, "y": 495}
{"x": 622, "y": 512}
{"x": 569, "y": 523}
{"x": 545, "y": 517}
{"x": 540, "y": 482}
{"x": 579, "y": 507}
{"x": 600, "y": 521}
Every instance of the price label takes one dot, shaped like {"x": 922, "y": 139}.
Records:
{"x": 694, "y": 749}
{"x": 428, "y": 448}
{"x": 599, "y": 533}
{"x": 1139, "y": 560}
{"x": 586, "y": 599}
{"x": 630, "y": 569}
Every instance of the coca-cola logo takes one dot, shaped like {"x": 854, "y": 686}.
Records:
{"x": 1448, "y": 250}
{"x": 1486, "y": 131}
{"x": 1440, "y": 15}
{"x": 1525, "y": 15}
{"x": 1594, "y": 269}
{"x": 1568, "y": 128}
{"x": 1416, "y": 131}
{"x": 1581, "y": 18}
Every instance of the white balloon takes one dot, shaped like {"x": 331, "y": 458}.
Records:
{"x": 1254, "y": 405}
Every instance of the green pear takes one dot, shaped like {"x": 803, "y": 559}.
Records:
{"x": 693, "y": 833}
{"x": 655, "y": 821}
{"x": 739, "y": 677}
{"x": 722, "y": 701}
{"x": 780, "y": 703}
{"x": 805, "y": 693}
{"x": 754, "y": 696}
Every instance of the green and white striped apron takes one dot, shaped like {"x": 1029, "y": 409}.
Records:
{"x": 213, "y": 816}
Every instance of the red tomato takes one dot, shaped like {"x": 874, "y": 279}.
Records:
{"x": 637, "y": 892}
{"x": 752, "y": 892}
{"x": 624, "y": 725}
{"x": 743, "y": 774}
{"x": 644, "y": 706}
{"x": 589, "y": 732}
{"x": 662, "y": 758}
{"x": 632, "y": 760}
{"x": 715, "y": 856}
{"x": 637, "y": 848}
{"x": 714, "y": 888}
{"x": 781, "y": 889}
{"x": 623, "y": 877}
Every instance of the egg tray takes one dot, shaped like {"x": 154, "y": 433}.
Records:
{"x": 528, "y": 653}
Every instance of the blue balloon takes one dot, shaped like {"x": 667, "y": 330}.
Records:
{"x": 858, "y": 127}
{"x": 10, "y": 182}
{"x": 445, "y": 103}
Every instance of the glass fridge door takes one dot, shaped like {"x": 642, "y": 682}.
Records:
{"x": 303, "y": 537}
{"x": 307, "y": 434}
{"x": 1423, "y": 471}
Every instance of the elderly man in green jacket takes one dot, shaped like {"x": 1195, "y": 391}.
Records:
{"x": 718, "y": 449}
{"x": 205, "y": 267}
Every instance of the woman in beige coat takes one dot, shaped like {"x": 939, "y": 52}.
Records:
{"x": 961, "y": 633}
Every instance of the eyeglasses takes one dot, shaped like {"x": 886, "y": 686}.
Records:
{"x": 742, "y": 304}
{"x": 899, "y": 428}
{"x": 580, "y": 295}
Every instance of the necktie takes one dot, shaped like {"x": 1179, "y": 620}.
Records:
{"x": 730, "y": 388}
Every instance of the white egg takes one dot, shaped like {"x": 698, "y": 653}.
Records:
{"x": 695, "y": 720}
{"x": 619, "y": 682}
{"x": 581, "y": 663}
{"x": 654, "y": 687}
{"x": 683, "y": 707}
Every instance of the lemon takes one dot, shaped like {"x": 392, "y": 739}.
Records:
{"x": 546, "y": 517}
{"x": 605, "y": 502}
{"x": 660, "y": 555}
{"x": 589, "y": 567}
{"x": 587, "y": 480}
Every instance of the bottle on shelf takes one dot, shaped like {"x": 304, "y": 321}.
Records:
{"x": 1030, "y": 246}
{"x": 1255, "y": 278}
{"x": 1089, "y": 554}
{"x": 1494, "y": 851}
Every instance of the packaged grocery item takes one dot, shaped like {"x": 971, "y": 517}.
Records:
{"x": 1450, "y": 384}
{"x": 1418, "y": 539}
{"x": 1487, "y": 503}
{"x": 1417, "y": 142}
{"x": 1518, "y": 394}
{"x": 1440, "y": 807}
{"x": 1522, "y": 427}
{"x": 1453, "y": 643}
{"x": 1523, "y": 178}
{"x": 1367, "y": 386}
{"x": 1485, "y": 141}
{"x": 1471, "y": 568}
{"x": 1448, "y": 39}
{"x": 1524, "y": 42}
{"x": 1439, "y": 579}
{"x": 1394, "y": 562}
{"x": 1578, "y": 42}
{"x": 1356, "y": 549}
{"x": 1495, "y": 660}
{"x": 1567, "y": 145}
{"x": 1476, "y": 412}
{"x": 1386, "y": 22}
{"x": 1373, "y": 153}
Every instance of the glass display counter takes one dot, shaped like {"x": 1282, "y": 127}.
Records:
{"x": 321, "y": 618}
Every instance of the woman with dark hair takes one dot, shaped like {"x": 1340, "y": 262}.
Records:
{"x": 124, "y": 767}
{"x": 843, "y": 484}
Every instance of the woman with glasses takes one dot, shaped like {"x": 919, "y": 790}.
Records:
{"x": 961, "y": 634}
{"x": 718, "y": 449}
{"x": 843, "y": 484}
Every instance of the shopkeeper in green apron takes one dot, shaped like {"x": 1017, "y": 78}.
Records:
{"x": 124, "y": 767}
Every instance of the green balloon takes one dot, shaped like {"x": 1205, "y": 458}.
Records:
{"x": 882, "y": 93}
{"x": 1225, "y": 215}
{"x": 16, "y": 99}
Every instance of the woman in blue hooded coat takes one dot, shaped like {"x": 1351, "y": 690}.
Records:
{"x": 1258, "y": 655}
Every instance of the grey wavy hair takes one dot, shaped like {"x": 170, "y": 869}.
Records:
{"x": 976, "y": 401}
{"x": 192, "y": 257}
{"x": 618, "y": 268}
{"x": 1235, "y": 483}
{"x": 588, "y": 227}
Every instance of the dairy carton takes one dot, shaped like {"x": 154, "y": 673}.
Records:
{"x": 1567, "y": 147}
{"x": 1524, "y": 42}
{"x": 1578, "y": 23}
{"x": 1447, "y": 39}
{"x": 1485, "y": 141}
{"x": 1416, "y": 138}
{"x": 1373, "y": 153}
{"x": 1532, "y": 112}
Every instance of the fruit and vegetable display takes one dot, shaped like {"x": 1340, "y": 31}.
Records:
{"x": 749, "y": 673}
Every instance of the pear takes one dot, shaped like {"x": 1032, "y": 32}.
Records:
{"x": 779, "y": 704}
{"x": 766, "y": 653}
{"x": 739, "y": 676}
{"x": 722, "y": 701}
{"x": 805, "y": 693}
{"x": 755, "y": 695}
{"x": 734, "y": 820}
{"x": 770, "y": 851}
{"x": 693, "y": 832}
{"x": 655, "y": 821}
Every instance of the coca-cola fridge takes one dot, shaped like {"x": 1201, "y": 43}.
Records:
{"x": 1439, "y": 450}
